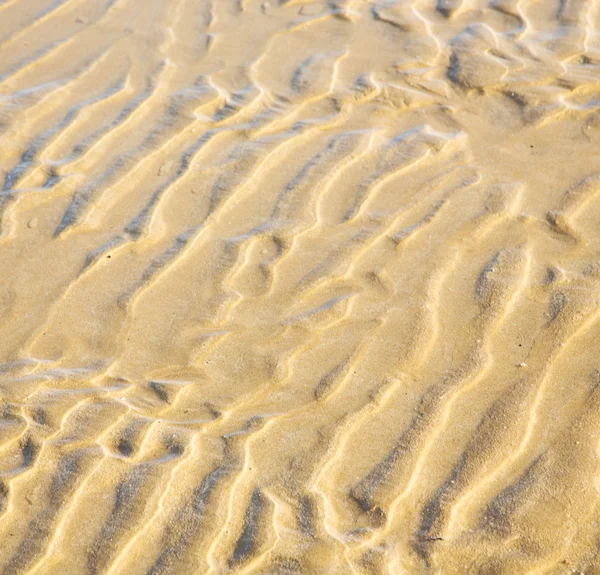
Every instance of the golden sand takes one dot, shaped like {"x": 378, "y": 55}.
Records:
{"x": 299, "y": 287}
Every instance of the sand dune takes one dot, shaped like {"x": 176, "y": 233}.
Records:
{"x": 299, "y": 287}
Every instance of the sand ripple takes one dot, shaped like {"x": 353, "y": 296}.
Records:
{"x": 299, "y": 287}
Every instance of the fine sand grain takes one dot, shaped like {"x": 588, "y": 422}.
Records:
{"x": 299, "y": 287}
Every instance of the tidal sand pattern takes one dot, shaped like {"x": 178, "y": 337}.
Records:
{"x": 299, "y": 287}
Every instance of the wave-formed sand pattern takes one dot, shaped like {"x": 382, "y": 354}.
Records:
{"x": 299, "y": 287}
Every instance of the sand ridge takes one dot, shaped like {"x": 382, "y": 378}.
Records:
{"x": 299, "y": 287}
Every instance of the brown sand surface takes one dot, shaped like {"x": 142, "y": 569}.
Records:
{"x": 299, "y": 287}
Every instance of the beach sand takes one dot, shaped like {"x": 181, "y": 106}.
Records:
{"x": 299, "y": 287}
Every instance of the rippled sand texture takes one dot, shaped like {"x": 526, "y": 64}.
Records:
{"x": 299, "y": 287}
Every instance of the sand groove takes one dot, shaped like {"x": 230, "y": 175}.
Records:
{"x": 299, "y": 287}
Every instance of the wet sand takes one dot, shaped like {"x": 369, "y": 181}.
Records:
{"x": 299, "y": 287}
